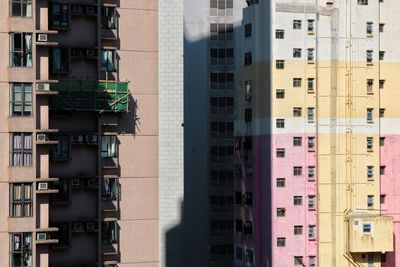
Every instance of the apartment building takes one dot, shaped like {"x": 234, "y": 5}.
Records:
{"x": 79, "y": 130}
{"x": 209, "y": 72}
{"x": 315, "y": 134}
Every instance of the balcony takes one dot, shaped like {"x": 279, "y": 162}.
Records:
{"x": 43, "y": 138}
{"x": 97, "y": 96}
{"x": 370, "y": 233}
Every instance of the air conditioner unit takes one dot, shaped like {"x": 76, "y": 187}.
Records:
{"x": 43, "y": 86}
{"x": 77, "y": 9}
{"x": 90, "y": 10}
{"x": 92, "y": 183}
{"x": 41, "y": 236}
{"x": 41, "y": 137}
{"x": 77, "y": 139}
{"x": 91, "y": 139}
{"x": 90, "y": 226}
{"x": 90, "y": 52}
{"x": 76, "y": 52}
{"x": 42, "y": 37}
{"x": 43, "y": 186}
{"x": 75, "y": 182}
{"x": 77, "y": 226}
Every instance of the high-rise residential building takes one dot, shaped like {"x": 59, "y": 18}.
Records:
{"x": 209, "y": 72}
{"x": 316, "y": 134}
{"x": 79, "y": 129}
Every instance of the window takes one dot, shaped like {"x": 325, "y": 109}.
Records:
{"x": 221, "y": 130}
{"x": 21, "y": 149}
{"x": 108, "y": 17}
{"x": 381, "y": 27}
{"x": 239, "y": 254}
{"x": 280, "y": 64}
{"x": 280, "y": 152}
{"x": 108, "y": 60}
{"x": 280, "y": 212}
{"x": 298, "y": 230}
{"x": 297, "y": 171}
{"x": 382, "y": 199}
{"x": 311, "y": 261}
{"x": 59, "y": 60}
{"x": 310, "y": 54}
{"x": 280, "y": 123}
{"x": 296, "y": 82}
{"x": 311, "y": 143}
{"x": 21, "y": 200}
{"x": 248, "y": 115}
{"x": 281, "y": 242}
{"x": 310, "y": 84}
{"x": 247, "y": 30}
{"x": 297, "y": 141}
{"x": 310, "y": 114}
{"x": 239, "y": 226}
{"x": 382, "y": 170}
{"x": 369, "y": 56}
{"x": 370, "y": 143}
{"x": 363, "y": 2}
{"x": 279, "y": 34}
{"x": 248, "y": 90}
{"x": 59, "y": 16}
{"x": 221, "y": 81}
{"x": 110, "y": 189}
{"x": 21, "y": 49}
{"x": 249, "y": 257}
{"x": 370, "y": 83}
{"x": 21, "y": 249}
{"x": 297, "y": 200}
{"x": 311, "y": 232}
{"x": 221, "y": 154}
{"x": 297, "y": 52}
{"x": 311, "y": 202}
{"x": 60, "y": 151}
{"x": 296, "y": 24}
{"x": 381, "y": 55}
{"x": 221, "y": 56}
{"x": 221, "y": 32}
{"x": 366, "y": 227}
{"x": 311, "y": 173}
{"x": 370, "y": 173}
{"x": 371, "y": 260}
{"x": 248, "y": 227}
{"x": 369, "y": 27}
{"x": 370, "y": 201}
{"x": 280, "y": 182}
{"x": 381, "y": 113}
{"x": 381, "y": 141}
{"x": 21, "y": 99}
{"x": 298, "y": 260}
{"x": 21, "y": 8}
{"x": 370, "y": 115}
{"x": 310, "y": 25}
{"x": 296, "y": 112}
{"x": 109, "y": 148}
{"x": 280, "y": 93}
{"x": 247, "y": 59}
{"x": 109, "y": 234}
{"x": 221, "y": 7}
{"x": 381, "y": 84}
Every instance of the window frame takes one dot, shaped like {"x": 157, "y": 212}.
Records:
{"x": 108, "y": 60}
{"x": 23, "y": 153}
{"x": 21, "y": 8}
{"x": 23, "y": 251}
{"x": 25, "y": 200}
{"x": 24, "y": 53}
{"x": 25, "y": 89}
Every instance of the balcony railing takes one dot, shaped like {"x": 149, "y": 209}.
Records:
{"x": 99, "y": 96}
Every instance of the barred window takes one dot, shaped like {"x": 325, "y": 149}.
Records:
{"x": 21, "y": 249}
{"x": 21, "y": 49}
{"x": 109, "y": 148}
{"x": 21, "y": 149}
{"x": 21, "y": 99}
{"x": 21, "y": 200}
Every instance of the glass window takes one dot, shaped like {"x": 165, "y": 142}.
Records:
{"x": 311, "y": 202}
{"x": 297, "y": 24}
{"x": 297, "y": 200}
{"x": 296, "y": 82}
{"x": 59, "y": 16}
{"x": 247, "y": 30}
{"x": 108, "y": 60}
{"x": 247, "y": 59}
{"x": 279, "y": 34}
{"x": 280, "y": 182}
{"x": 311, "y": 232}
{"x": 280, "y": 123}
{"x": 21, "y": 49}
{"x": 109, "y": 233}
{"x": 21, "y": 99}
{"x": 280, "y": 64}
{"x": 21, "y": 149}
{"x": 21, "y": 200}
{"x": 59, "y": 60}
{"x": 110, "y": 190}
{"x": 310, "y": 25}
{"x": 108, "y": 17}
{"x": 298, "y": 230}
{"x": 249, "y": 257}
{"x": 60, "y": 151}
{"x": 21, "y": 8}
{"x": 21, "y": 250}
{"x": 281, "y": 242}
{"x": 109, "y": 148}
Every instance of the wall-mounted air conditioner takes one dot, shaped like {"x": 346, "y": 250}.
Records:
{"x": 91, "y": 10}
{"x": 77, "y": 9}
{"x": 76, "y": 52}
{"x": 77, "y": 139}
{"x": 41, "y": 236}
{"x": 91, "y": 138}
{"x": 75, "y": 182}
{"x": 43, "y": 86}
{"x": 77, "y": 226}
{"x": 42, "y": 37}
{"x": 41, "y": 137}
{"x": 90, "y": 52}
{"x": 91, "y": 182}
{"x": 90, "y": 226}
{"x": 43, "y": 186}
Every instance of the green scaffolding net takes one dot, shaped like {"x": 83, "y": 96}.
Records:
{"x": 101, "y": 96}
